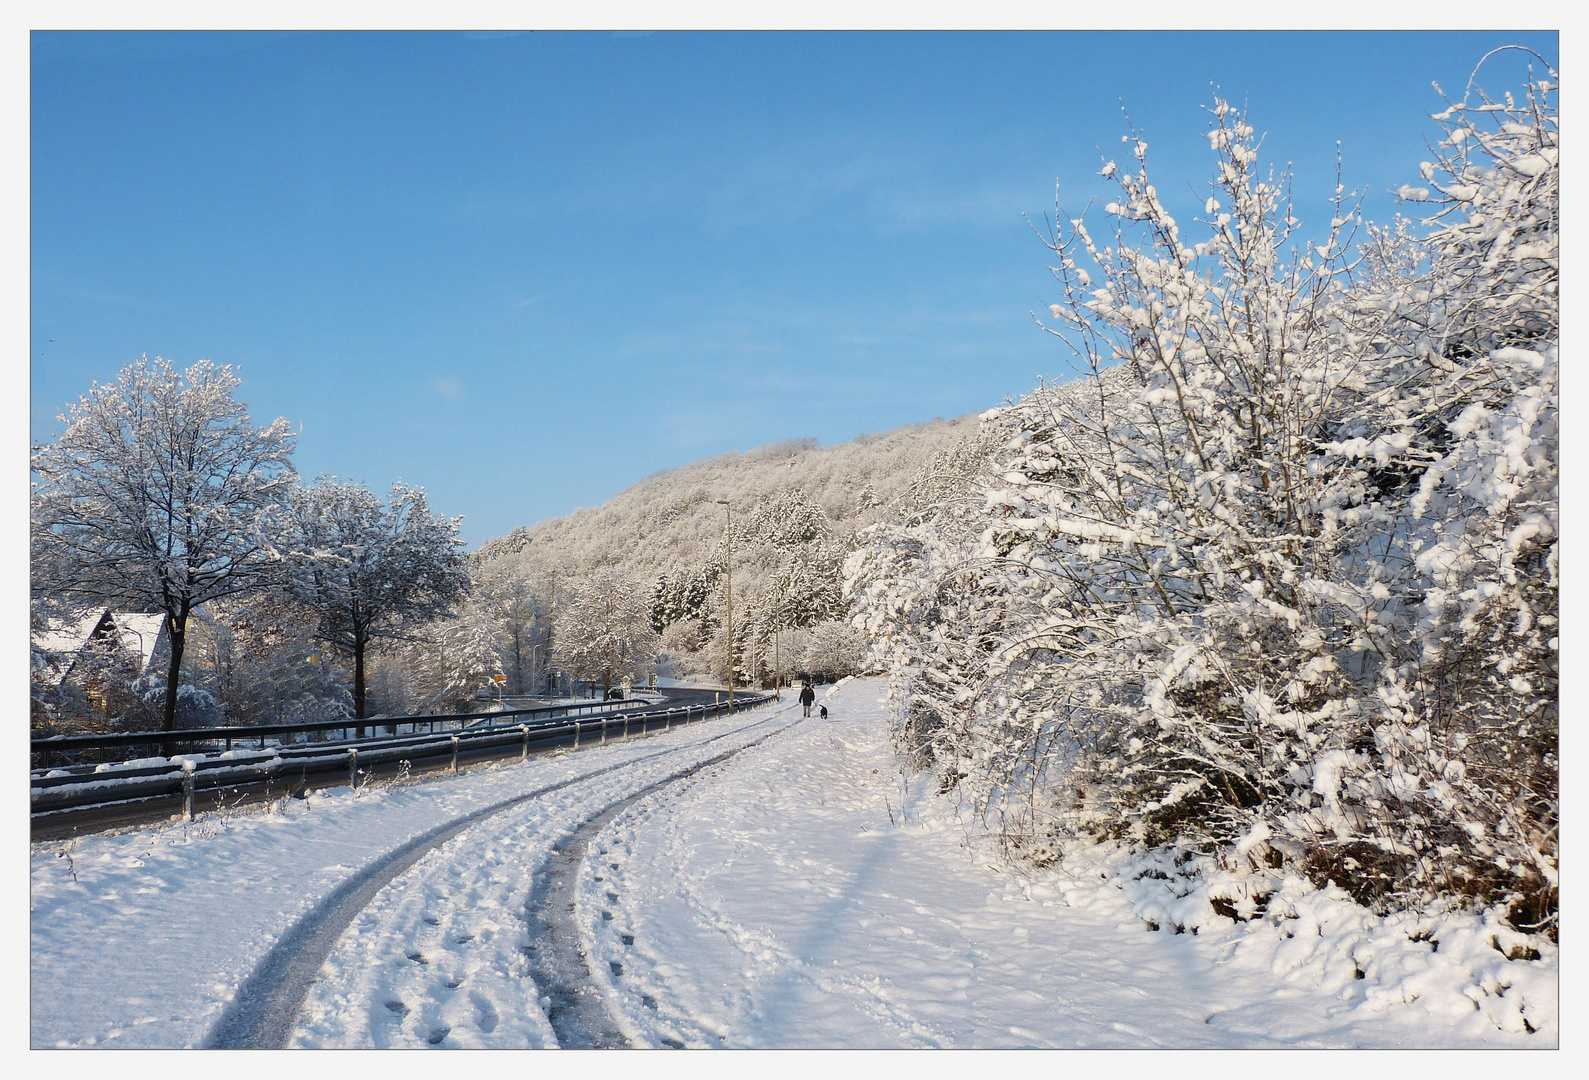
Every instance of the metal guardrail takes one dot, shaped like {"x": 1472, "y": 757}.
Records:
{"x": 83, "y": 786}
{"x": 88, "y": 746}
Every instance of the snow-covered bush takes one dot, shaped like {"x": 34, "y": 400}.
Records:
{"x": 1276, "y": 578}
{"x": 196, "y": 706}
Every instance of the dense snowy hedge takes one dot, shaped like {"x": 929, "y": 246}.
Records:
{"x": 1276, "y": 578}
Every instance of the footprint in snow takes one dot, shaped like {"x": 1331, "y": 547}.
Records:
{"x": 485, "y": 1016}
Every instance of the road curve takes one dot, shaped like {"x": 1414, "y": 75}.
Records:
{"x": 265, "y": 1010}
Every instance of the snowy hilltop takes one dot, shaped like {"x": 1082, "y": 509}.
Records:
{"x": 796, "y": 507}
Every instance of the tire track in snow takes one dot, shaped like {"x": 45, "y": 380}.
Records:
{"x": 265, "y": 1010}
{"x": 573, "y": 1001}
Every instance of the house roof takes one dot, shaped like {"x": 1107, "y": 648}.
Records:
{"x": 137, "y": 632}
{"x": 68, "y": 635}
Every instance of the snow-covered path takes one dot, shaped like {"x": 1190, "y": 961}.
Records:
{"x": 141, "y": 938}
{"x": 808, "y": 897}
{"x": 797, "y": 893}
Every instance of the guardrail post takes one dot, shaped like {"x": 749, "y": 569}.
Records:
{"x": 525, "y": 754}
{"x": 625, "y": 719}
{"x": 353, "y": 767}
{"x": 604, "y": 730}
{"x": 455, "y": 755}
{"x": 187, "y": 789}
{"x": 576, "y": 733}
{"x": 667, "y": 720}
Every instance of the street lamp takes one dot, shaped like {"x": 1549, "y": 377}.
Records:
{"x": 730, "y": 567}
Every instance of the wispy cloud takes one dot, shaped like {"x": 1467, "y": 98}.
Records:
{"x": 895, "y": 188}
{"x": 531, "y": 301}
{"x": 448, "y": 388}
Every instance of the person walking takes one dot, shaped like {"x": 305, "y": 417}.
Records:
{"x": 807, "y": 696}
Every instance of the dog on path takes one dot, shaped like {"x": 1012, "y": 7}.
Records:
{"x": 824, "y": 711}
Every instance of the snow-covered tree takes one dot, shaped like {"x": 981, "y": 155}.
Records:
{"x": 367, "y": 570}
{"x": 1277, "y": 576}
{"x": 833, "y": 648}
{"x": 155, "y": 497}
{"x": 260, "y": 659}
{"x": 452, "y": 660}
{"x": 519, "y": 608}
{"x": 604, "y": 629}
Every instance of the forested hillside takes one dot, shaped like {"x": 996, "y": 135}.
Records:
{"x": 796, "y": 509}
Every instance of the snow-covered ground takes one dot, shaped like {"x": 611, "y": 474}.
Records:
{"x": 808, "y": 896}
{"x": 799, "y": 894}
{"x": 141, "y": 937}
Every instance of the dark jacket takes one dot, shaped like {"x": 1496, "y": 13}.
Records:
{"x": 807, "y": 695}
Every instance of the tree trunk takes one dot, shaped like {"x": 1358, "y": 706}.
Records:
{"x": 358, "y": 681}
{"x": 176, "y": 635}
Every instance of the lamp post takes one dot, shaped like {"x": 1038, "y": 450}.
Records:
{"x": 777, "y": 667}
{"x": 730, "y": 590}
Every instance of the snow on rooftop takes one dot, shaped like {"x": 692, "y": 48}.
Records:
{"x": 138, "y": 632}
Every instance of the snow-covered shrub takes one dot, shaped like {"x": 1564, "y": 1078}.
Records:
{"x": 196, "y": 706}
{"x": 1276, "y": 578}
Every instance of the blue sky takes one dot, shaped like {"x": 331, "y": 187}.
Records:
{"x": 527, "y": 271}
